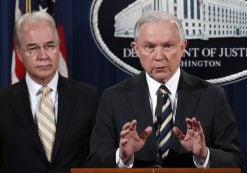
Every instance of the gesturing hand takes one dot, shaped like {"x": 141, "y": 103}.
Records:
{"x": 130, "y": 141}
{"x": 194, "y": 140}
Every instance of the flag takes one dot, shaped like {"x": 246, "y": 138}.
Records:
{"x": 27, "y": 6}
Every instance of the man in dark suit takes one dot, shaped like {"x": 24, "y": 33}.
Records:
{"x": 73, "y": 106}
{"x": 204, "y": 132}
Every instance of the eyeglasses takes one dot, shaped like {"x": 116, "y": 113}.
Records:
{"x": 34, "y": 49}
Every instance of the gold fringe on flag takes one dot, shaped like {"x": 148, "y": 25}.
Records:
{"x": 28, "y": 6}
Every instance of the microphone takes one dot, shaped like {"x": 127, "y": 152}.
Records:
{"x": 158, "y": 122}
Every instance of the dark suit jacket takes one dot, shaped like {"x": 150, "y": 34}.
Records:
{"x": 129, "y": 100}
{"x": 20, "y": 147}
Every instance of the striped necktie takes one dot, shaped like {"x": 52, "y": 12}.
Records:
{"x": 46, "y": 121}
{"x": 164, "y": 132}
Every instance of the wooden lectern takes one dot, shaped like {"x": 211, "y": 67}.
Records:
{"x": 155, "y": 170}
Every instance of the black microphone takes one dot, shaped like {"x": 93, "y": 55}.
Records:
{"x": 158, "y": 122}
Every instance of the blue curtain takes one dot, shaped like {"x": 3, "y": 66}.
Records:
{"x": 6, "y": 32}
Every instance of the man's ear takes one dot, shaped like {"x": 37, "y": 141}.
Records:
{"x": 135, "y": 47}
{"x": 184, "y": 44}
{"x": 183, "y": 47}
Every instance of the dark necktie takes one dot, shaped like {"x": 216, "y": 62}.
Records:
{"x": 164, "y": 121}
{"x": 46, "y": 121}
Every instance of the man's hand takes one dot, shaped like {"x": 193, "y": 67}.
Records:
{"x": 194, "y": 140}
{"x": 130, "y": 141}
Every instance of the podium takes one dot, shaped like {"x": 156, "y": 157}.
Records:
{"x": 155, "y": 170}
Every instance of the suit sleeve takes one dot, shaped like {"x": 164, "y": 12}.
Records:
{"x": 104, "y": 138}
{"x": 225, "y": 151}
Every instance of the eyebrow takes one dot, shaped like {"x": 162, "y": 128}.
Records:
{"x": 50, "y": 42}
{"x": 34, "y": 44}
{"x": 31, "y": 45}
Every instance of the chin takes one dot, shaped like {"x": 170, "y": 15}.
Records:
{"x": 45, "y": 74}
{"x": 160, "y": 77}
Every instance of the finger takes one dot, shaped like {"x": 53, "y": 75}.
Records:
{"x": 133, "y": 125}
{"x": 201, "y": 133}
{"x": 123, "y": 142}
{"x": 200, "y": 127}
{"x": 187, "y": 120}
{"x": 146, "y": 133}
{"x": 126, "y": 126}
{"x": 193, "y": 131}
{"x": 188, "y": 123}
{"x": 178, "y": 133}
{"x": 197, "y": 125}
{"x": 124, "y": 133}
{"x": 190, "y": 132}
{"x": 193, "y": 124}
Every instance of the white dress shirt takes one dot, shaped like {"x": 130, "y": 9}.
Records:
{"x": 33, "y": 89}
{"x": 171, "y": 84}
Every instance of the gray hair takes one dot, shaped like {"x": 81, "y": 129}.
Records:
{"x": 158, "y": 16}
{"x": 30, "y": 17}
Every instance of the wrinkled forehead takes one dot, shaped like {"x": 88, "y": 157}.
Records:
{"x": 160, "y": 28}
{"x": 167, "y": 21}
{"x": 38, "y": 30}
{"x": 36, "y": 25}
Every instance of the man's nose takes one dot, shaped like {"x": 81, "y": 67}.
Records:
{"x": 159, "y": 53}
{"x": 42, "y": 53}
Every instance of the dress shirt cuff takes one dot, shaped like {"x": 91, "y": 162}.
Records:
{"x": 206, "y": 164}
{"x": 120, "y": 163}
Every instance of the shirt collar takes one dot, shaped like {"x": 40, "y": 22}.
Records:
{"x": 34, "y": 87}
{"x": 171, "y": 84}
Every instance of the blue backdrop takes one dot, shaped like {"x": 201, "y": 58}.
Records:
{"x": 86, "y": 63}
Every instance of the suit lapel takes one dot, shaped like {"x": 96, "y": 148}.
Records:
{"x": 185, "y": 108}
{"x": 65, "y": 106}
{"x": 187, "y": 102}
{"x": 19, "y": 101}
{"x": 139, "y": 99}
